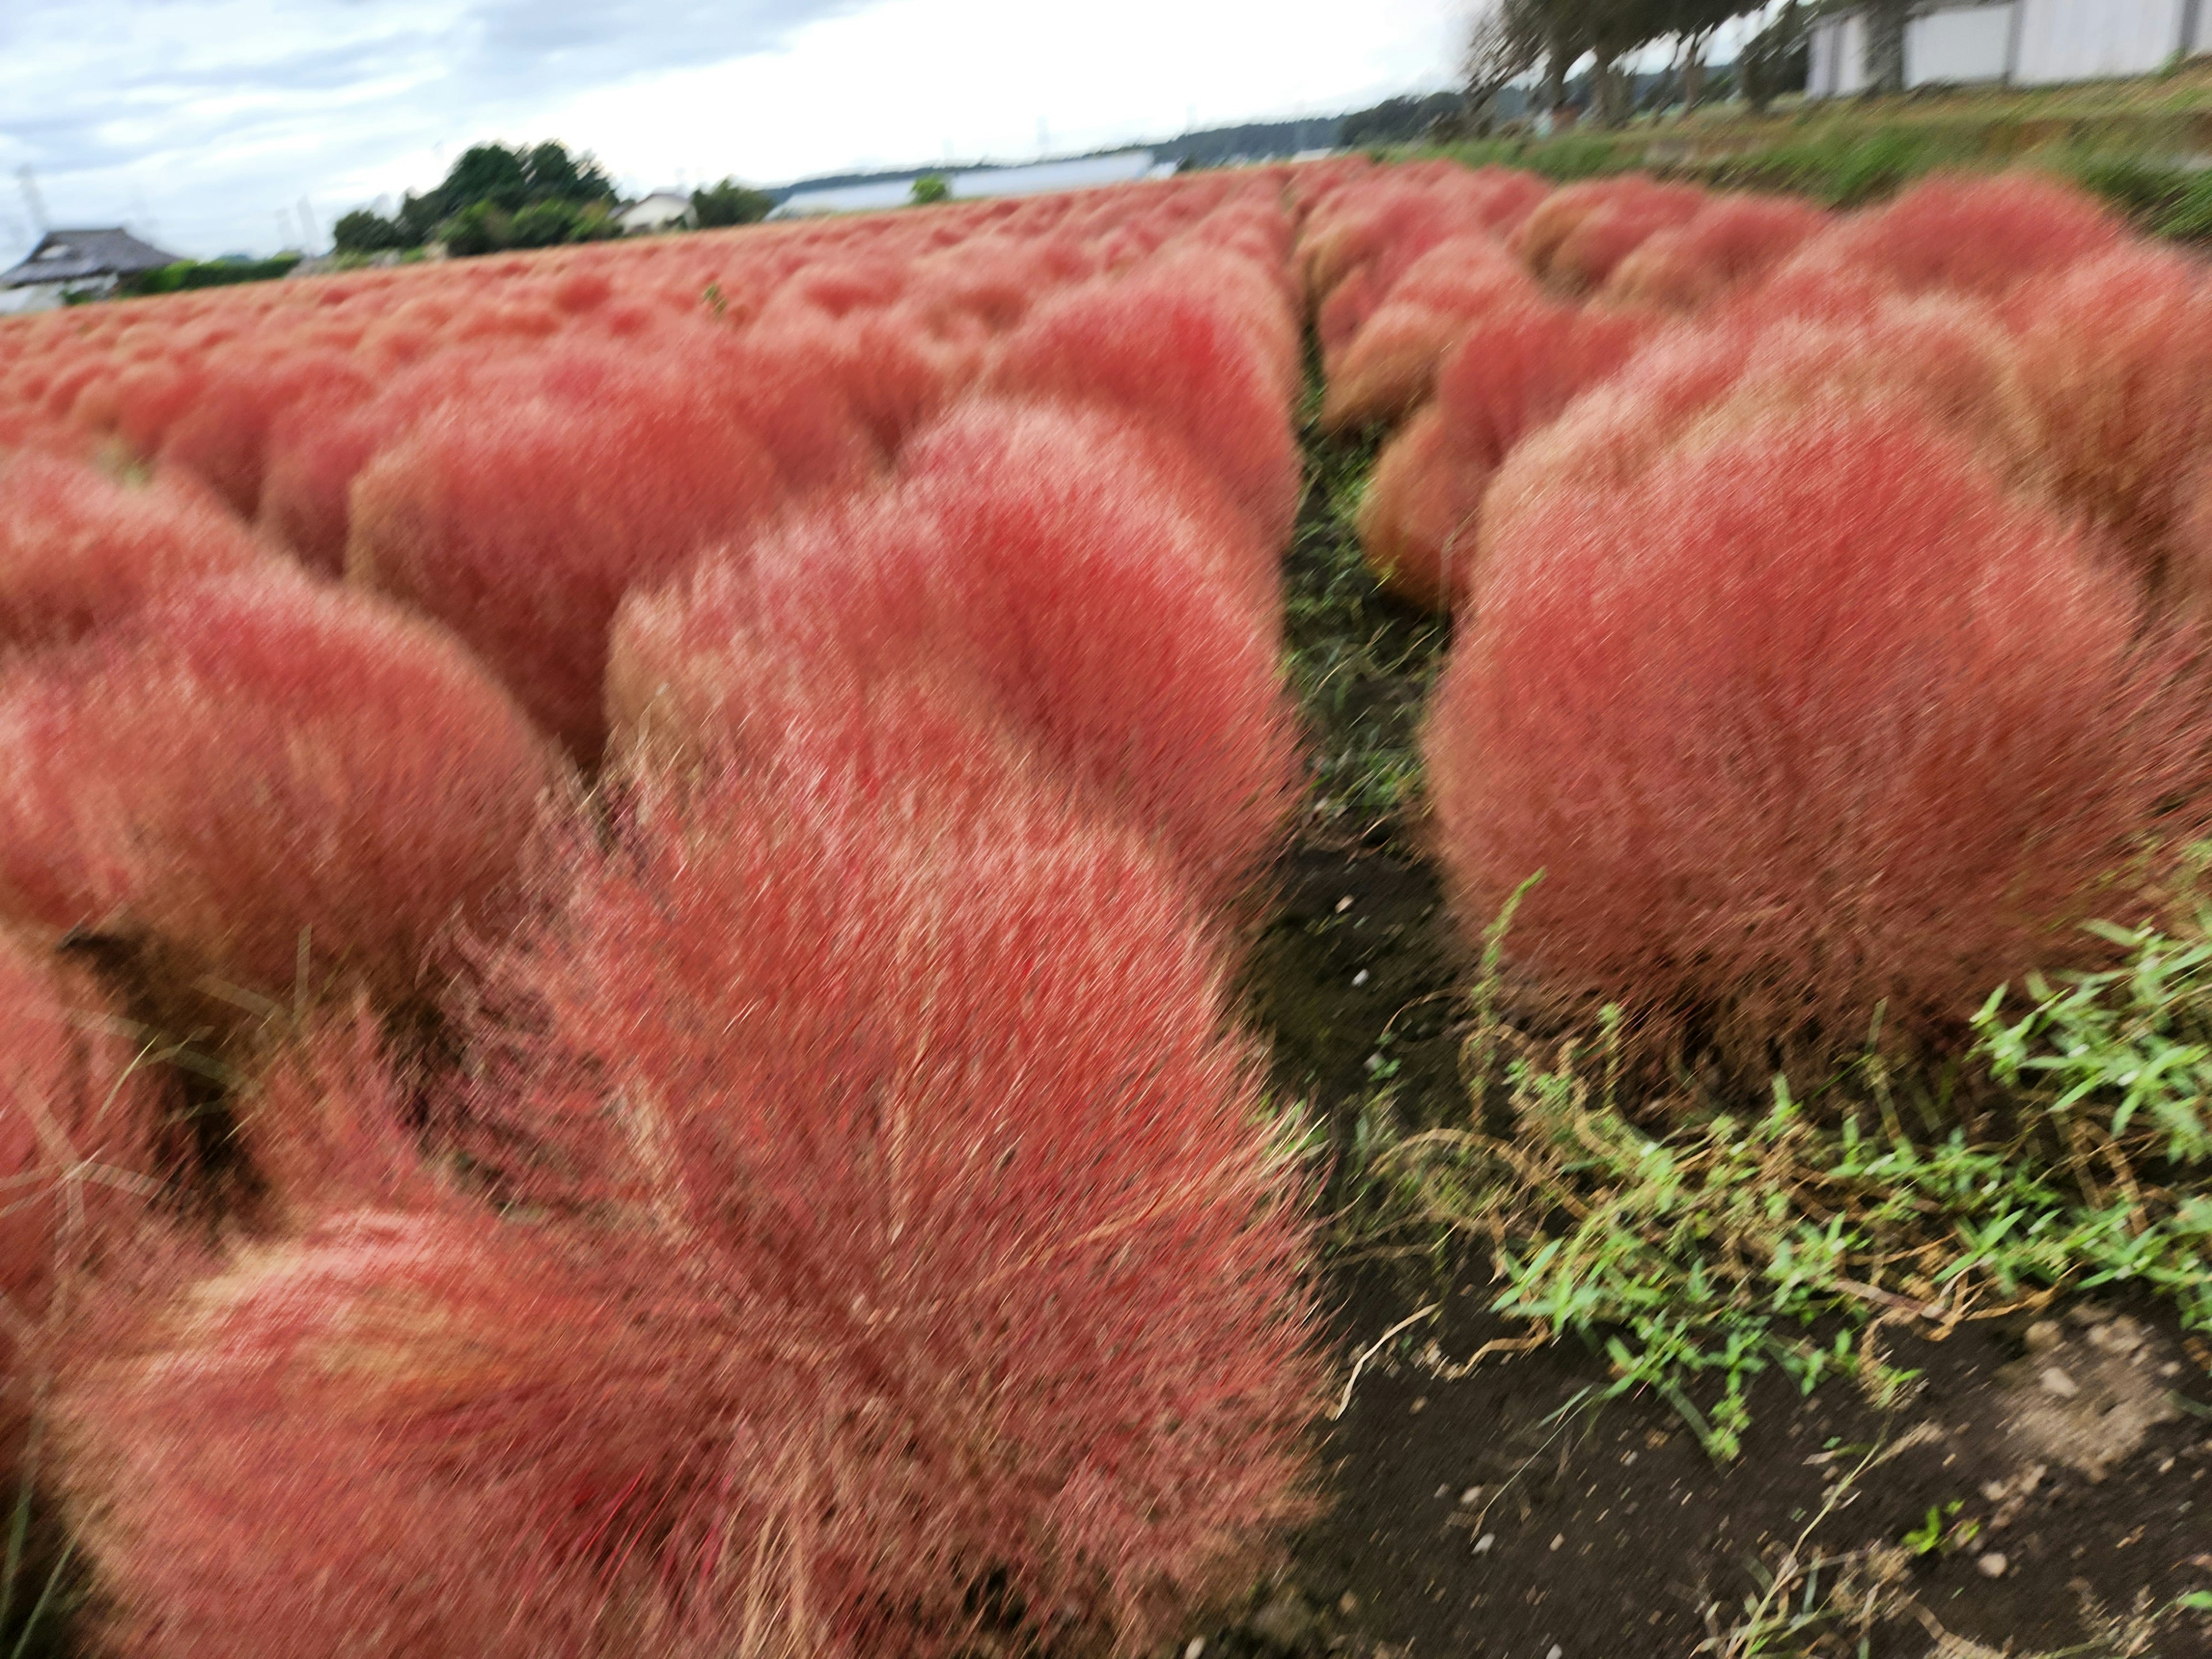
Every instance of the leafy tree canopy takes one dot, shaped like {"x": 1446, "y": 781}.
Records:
{"x": 730, "y": 203}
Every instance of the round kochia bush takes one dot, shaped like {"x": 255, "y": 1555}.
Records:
{"x": 258, "y": 765}
{"x": 937, "y": 1073}
{"x": 1806, "y": 722}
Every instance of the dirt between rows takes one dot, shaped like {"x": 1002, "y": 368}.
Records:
{"x": 2045, "y": 1487}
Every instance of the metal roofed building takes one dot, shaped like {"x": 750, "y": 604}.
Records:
{"x": 2024, "y": 43}
{"x": 972, "y": 183}
{"x": 661, "y": 210}
{"x": 71, "y": 262}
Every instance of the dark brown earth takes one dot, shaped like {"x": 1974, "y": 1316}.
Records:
{"x": 1507, "y": 1511}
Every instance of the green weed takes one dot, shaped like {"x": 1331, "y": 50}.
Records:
{"x": 1699, "y": 1257}
{"x": 1359, "y": 663}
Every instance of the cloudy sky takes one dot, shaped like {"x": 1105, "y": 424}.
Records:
{"x": 206, "y": 124}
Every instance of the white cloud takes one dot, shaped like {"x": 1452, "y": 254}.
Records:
{"x": 198, "y": 120}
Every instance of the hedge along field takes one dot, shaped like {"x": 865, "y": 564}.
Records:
{"x": 628, "y": 867}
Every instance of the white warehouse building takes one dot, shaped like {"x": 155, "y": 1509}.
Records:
{"x": 2024, "y": 43}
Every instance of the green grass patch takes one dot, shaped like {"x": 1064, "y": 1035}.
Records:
{"x": 1359, "y": 663}
{"x": 1721, "y": 1245}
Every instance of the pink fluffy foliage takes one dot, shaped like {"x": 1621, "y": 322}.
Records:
{"x": 1947, "y": 356}
{"x": 1032, "y": 558}
{"x": 521, "y": 525}
{"x": 77, "y": 1125}
{"x": 79, "y": 1120}
{"x": 1419, "y": 525}
{"x": 257, "y": 767}
{"x": 1355, "y": 246}
{"x": 1183, "y": 359}
{"x": 2114, "y": 356}
{"x": 939, "y": 1084}
{"x": 1576, "y": 236}
{"x": 1729, "y": 241}
{"x": 79, "y": 549}
{"x": 222, "y": 437}
{"x": 1810, "y": 721}
{"x": 1388, "y": 368}
{"x": 1960, "y": 232}
{"x": 415, "y": 1430}
{"x": 322, "y": 1116}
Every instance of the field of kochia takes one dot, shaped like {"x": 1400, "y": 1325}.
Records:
{"x": 623, "y": 872}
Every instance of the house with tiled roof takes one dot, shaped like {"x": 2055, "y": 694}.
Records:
{"x": 72, "y": 262}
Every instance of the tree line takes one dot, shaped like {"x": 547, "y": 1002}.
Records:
{"x": 497, "y": 196}
{"x": 1514, "y": 38}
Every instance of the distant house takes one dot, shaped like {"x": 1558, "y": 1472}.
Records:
{"x": 73, "y": 262}
{"x": 2025, "y": 43}
{"x": 664, "y": 210}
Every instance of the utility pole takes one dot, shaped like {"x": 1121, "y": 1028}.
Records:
{"x": 31, "y": 200}
{"x": 308, "y": 228}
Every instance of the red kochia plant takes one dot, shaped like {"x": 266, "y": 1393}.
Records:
{"x": 223, "y": 437}
{"x": 420, "y": 1431}
{"x": 1730, "y": 239}
{"x": 941, "y": 1080}
{"x": 77, "y": 1123}
{"x": 2115, "y": 357}
{"x": 1979, "y": 235}
{"x": 76, "y": 1129}
{"x": 521, "y": 525}
{"x": 1021, "y": 558}
{"x": 1811, "y": 722}
{"x": 79, "y": 549}
{"x": 1420, "y": 523}
{"x": 1947, "y": 356}
{"x": 1084, "y": 471}
{"x": 257, "y": 767}
{"x": 1389, "y": 367}
{"x": 1181, "y": 358}
{"x": 1577, "y": 235}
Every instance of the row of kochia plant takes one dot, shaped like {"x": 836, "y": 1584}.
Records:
{"x": 1826, "y": 712}
{"x": 617, "y": 874}
{"x": 620, "y": 870}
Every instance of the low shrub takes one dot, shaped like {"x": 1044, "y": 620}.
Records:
{"x": 521, "y": 525}
{"x": 1827, "y": 345}
{"x": 1970, "y": 233}
{"x": 1419, "y": 525}
{"x": 1810, "y": 727}
{"x": 78, "y": 1123}
{"x": 418, "y": 1432}
{"x": 79, "y": 549}
{"x": 1032, "y": 569}
{"x": 1182, "y": 359}
{"x": 258, "y": 775}
{"x": 1731, "y": 240}
{"x": 993, "y": 1152}
{"x": 1578, "y": 234}
{"x": 2115, "y": 359}
{"x": 1389, "y": 368}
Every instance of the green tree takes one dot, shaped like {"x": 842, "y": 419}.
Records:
{"x": 486, "y": 172}
{"x": 552, "y": 175}
{"x": 930, "y": 188}
{"x": 544, "y": 224}
{"x": 1774, "y": 61}
{"x": 1885, "y": 45}
{"x": 418, "y": 217}
{"x": 730, "y": 203}
{"x": 364, "y": 231}
{"x": 479, "y": 227}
